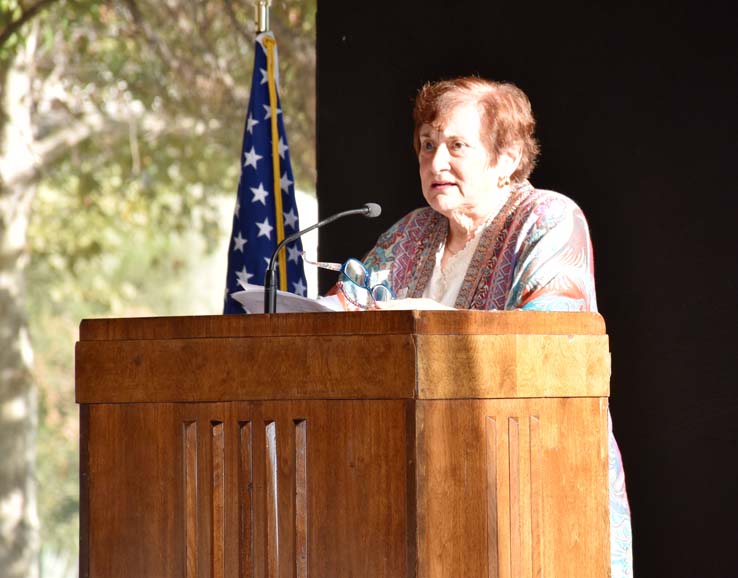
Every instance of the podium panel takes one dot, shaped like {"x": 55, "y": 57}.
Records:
{"x": 272, "y": 489}
{"x": 506, "y": 492}
{"x": 377, "y": 444}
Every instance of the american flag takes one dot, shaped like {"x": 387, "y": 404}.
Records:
{"x": 258, "y": 217}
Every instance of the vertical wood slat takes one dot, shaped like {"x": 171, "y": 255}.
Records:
{"x": 189, "y": 435}
{"x": 515, "y": 508}
{"x": 536, "y": 498}
{"x": 218, "y": 499}
{"x": 524, "y": 495}
{"x": 245, "y": 501}
{"x": 493, "y": 560}
{"x": 300, "y": 522}
{"x": 258, "y": 497}
{"x": 272, "y": 502}
{"x": 84, "y": 491}
{"x": 504, "y": 541}
{"x": 513, "y": 437}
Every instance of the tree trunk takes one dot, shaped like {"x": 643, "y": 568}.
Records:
{"x": 19, "y": 542}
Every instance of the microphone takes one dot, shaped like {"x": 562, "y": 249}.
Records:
{"x": 372, "y": 210}
{"x": 369, "y": 210}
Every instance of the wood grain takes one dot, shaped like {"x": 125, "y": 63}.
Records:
{"x": 507, "y": 366}
{"x": 301, "y": 511}
{"x": 190, "y": 498}
{"x": 493, "y": 545}
{"x": 217, "y": 451}
{"x": 536, "y": 497}
{"x": 245, "y": 369}
{"x": 84, "y": 491}
{"x": 352, "y": 323}
{"x": 468, "y": 322}
{"x": 539, "y": 465}
{"x": 219, "y": 326}
{"x": 244, "y": 492}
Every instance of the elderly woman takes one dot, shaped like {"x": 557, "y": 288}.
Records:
{"x": 489, "y": 239}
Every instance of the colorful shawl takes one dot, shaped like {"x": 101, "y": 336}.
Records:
{"x": 536, "y": 254}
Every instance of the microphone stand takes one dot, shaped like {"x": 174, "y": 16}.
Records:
{"x": 370, "y": 210}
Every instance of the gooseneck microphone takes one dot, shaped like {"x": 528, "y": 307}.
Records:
{"x": 369, "y": 210}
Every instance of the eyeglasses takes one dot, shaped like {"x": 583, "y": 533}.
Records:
{"x": 355, "y": 283}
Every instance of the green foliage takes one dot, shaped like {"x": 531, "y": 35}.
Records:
{"x": 121, "y": 267}
{"x": 14, "y": 15}
{"x": 57, "y": 458}
{"x": 10, "y": 14}
{"x": 125, "y": 221}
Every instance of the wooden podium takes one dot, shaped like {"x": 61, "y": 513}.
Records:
{"x": 454, "y": 444}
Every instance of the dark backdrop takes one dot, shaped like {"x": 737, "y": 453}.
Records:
{"x": 636, "y": 108}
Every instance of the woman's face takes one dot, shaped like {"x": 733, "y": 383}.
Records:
{"x": 455, "y": 170}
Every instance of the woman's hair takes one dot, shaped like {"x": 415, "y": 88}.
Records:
{"x": 505, "y": 114}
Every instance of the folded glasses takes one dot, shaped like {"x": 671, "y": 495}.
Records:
{"x": 355, "y": 280}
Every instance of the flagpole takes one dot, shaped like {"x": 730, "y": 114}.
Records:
{"x": 270, "y": 44}
{"x": 262, "y": 15}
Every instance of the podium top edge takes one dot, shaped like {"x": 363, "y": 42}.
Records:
{"x": 349, "y": 323}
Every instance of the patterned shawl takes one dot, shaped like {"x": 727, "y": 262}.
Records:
{"x": 535, "y": 254}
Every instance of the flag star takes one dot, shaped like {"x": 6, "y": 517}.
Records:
{"x": 265, "y": 229}
{"x": 243, "y": 276}
{"x": 290, "y": 219}
{"x": 268, "y": 113}
{"x": 239, "y": 242}
{"x": 237, "y": 209}
{"x": 264, "y": 76}
{"x": 250, "y": 158}
{"x": 293, "y": 254}
{"x": 250, "y": 123}
{"x": 282, "y": 147}
{"x": 300, "y": 288}
{"x": 260, "y": 194}
{"x": 285, "y": 183}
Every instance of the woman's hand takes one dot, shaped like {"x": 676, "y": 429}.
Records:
{"x": 418, "y": 304}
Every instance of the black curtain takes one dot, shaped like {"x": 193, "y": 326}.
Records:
{"x": 636, "y": 108}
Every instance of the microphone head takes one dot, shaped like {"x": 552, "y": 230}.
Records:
{"x": 372, "y": 210}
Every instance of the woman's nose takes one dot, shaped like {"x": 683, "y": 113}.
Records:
{"x": 440, "y": 159}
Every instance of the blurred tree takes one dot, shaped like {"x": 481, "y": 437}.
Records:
{"x": 18, "y": 418}
{"x": 120, "y": 125}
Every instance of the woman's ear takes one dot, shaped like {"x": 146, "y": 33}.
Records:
{"x": 509, "y": 160}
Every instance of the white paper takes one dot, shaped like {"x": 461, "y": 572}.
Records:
{"x": 252, "y": 301}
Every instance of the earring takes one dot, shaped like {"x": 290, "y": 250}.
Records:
{"x": 503, "y": 181}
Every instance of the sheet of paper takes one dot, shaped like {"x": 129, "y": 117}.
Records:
{"x": 252, "y": 301}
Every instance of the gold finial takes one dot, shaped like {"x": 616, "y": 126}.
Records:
{"x": 262, "y": 15}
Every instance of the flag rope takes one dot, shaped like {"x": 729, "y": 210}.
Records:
{"x": 269, "y": 44}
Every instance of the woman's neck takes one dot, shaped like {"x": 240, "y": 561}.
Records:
{"x": 464, "y": 224}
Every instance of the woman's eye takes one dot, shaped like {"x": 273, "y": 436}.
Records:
{"x": 427, "y": 146}
{"x": 457, "y": 145}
